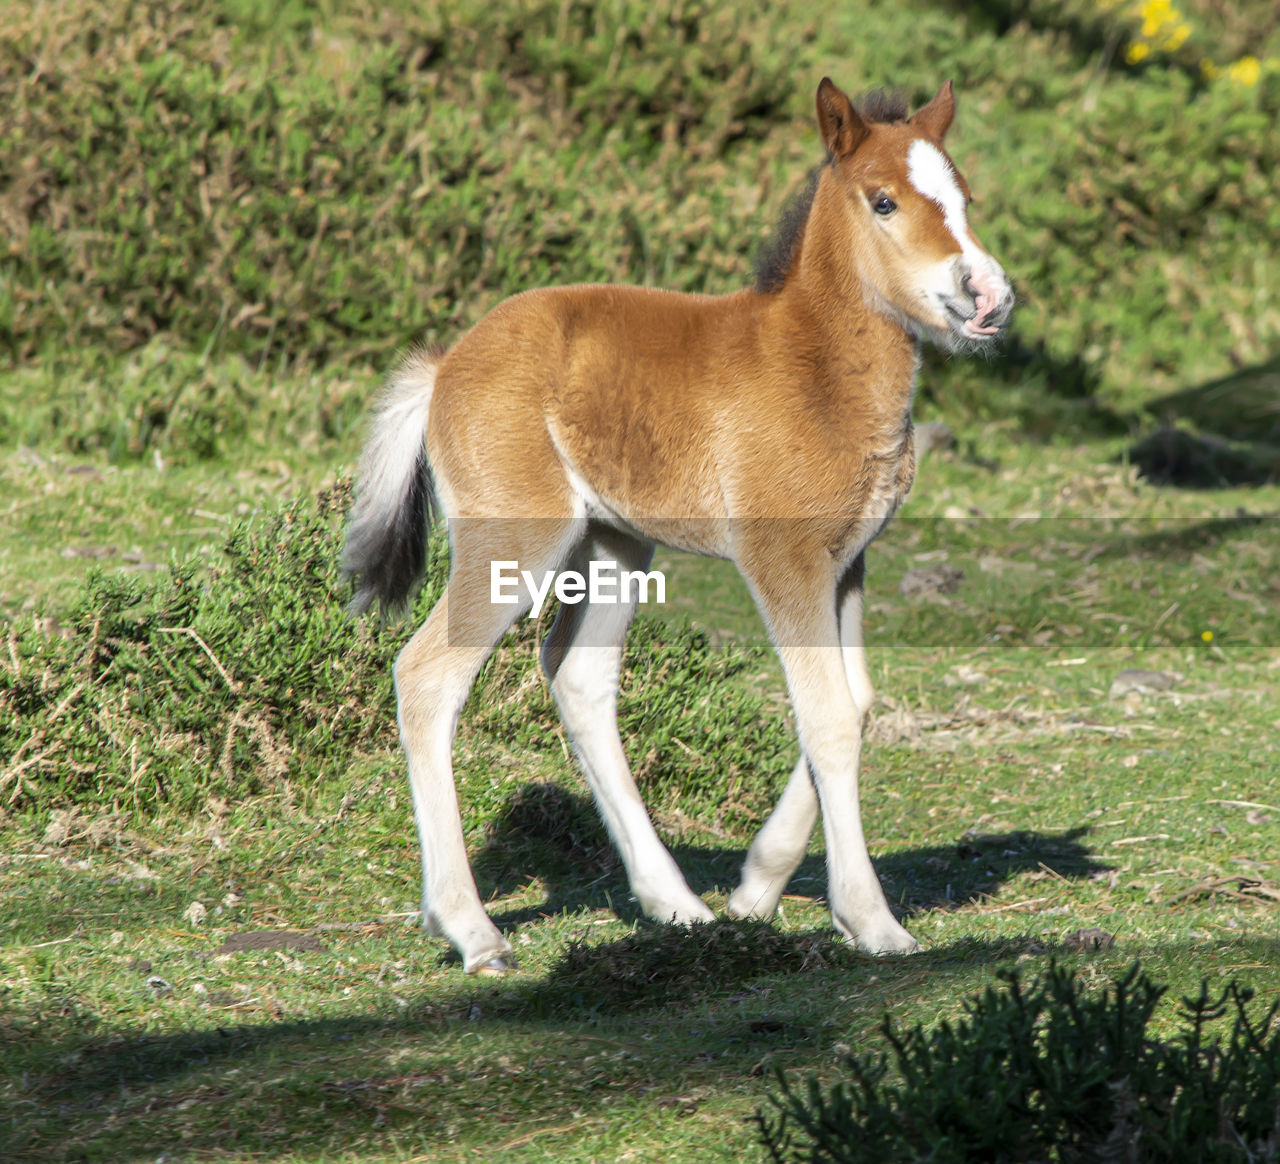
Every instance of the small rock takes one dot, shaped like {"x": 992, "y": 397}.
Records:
{"x": 1091, "y": 939}
{"x": 1142, "y": 682}
{"x": 940, "y": 578}
{"x": 965, "y": 676}
{"x": 195, "y": 913}
{"x": 97, "y": 553}
{"x": 58, "y": 831}
{"x": 931, "y": 435}
{"x": 270, "y": 940}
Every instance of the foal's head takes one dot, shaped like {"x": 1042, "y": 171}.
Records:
{"x": 906, "y": 206}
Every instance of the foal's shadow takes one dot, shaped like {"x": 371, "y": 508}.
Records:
{"x": 552, "y": 835}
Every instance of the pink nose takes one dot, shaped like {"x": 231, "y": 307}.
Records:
{"x": 988, "y": 291}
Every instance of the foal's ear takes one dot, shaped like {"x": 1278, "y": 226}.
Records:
{"x": 935, "y": 118}
{"x": 841, "y": 128}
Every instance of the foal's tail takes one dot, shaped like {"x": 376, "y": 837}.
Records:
{"x": 387, "y": 528}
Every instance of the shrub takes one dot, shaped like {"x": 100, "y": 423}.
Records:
{"x": 1049, "y": 1072}
{"x": 334, "y": 183}
{"x": 693, "y": 722}
{"x": 171, "y": 690}
{"x": 337, "y": 184}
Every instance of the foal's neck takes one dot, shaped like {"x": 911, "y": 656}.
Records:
{"x": 859, "y": 352}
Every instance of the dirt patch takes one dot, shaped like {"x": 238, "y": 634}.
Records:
{"x": 270, "y": 940}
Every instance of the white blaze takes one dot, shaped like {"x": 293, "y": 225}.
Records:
{"x": 931, "y": 174}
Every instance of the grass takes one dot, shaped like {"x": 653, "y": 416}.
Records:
{"x": 1010, "y": 804}
{"x": 217, "y": 231}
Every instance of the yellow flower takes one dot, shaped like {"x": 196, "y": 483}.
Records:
{"x": 1156, "y": 14}
{"x": 1177, "y": 38}
{"x": 1245, "y": 71}
{"x": 1136, "y": 52}
{"x": 1209, "y": 69}
{"x": 1207, "y": 636}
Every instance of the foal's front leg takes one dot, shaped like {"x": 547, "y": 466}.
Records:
{"x": 830, "y": 692}
{"x": 781, "y": 844}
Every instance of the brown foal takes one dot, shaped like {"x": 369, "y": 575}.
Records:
{"x": 771, "y": 427}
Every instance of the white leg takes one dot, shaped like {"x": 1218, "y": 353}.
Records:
{"x": 822, "y": 674}
{"x": 778, "y": 849}
{"x": 582, "y": 658}
{"x": 781, "y": 843}
{"x": 434, "y": 673}
{"x": 849, "y": 598}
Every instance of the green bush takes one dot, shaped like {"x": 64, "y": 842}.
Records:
{"x": 233, "y": 682}
{"x": 336, "y": 185}
{"x": 168, "y": 691}
{"x": 337, "y": 182}
{"x": 693, "y": 721}
{"x": 1049, "y": 1072}
{"x": 171, "y": 402}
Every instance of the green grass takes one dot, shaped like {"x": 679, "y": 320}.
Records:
{"x": 1009, "y": 801}
{"x": 217, "y": 229}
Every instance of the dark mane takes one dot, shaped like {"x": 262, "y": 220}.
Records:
{"x": 776, "y": 255}
{"x": 879, "y": 106}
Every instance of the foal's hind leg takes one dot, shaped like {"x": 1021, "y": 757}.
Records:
{"x": 582, "y": 657}
{"x": 433, "y": 674}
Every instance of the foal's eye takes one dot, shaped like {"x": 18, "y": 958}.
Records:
{"x": 884, "y": 206}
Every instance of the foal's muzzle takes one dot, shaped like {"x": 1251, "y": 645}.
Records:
{"x": 983, "y": 307}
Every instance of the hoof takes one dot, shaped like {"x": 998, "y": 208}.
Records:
{"x": 751, "y": 906}
{"x": 890, "y": 945}
{"x": 886, "y": 937}
{"x": 495, "y": 967}
{"x": 692, "y": 912}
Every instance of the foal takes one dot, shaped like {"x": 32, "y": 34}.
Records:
{"x": 771, "y": 427}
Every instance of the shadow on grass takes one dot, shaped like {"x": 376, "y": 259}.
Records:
{"x": 481, "y": 1060}
{"x": 691, "y": 1008}
{"x": 551, "y": 834}
{"x": 1046, "y": 394}
{"x": 1183, "y": 537}
{"x": 1174, "y": 456}
{"x": 1236, "y": 441}
{"x": 655, "y": 966}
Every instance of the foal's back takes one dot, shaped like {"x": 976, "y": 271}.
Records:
{"x": 661, "y": 409}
